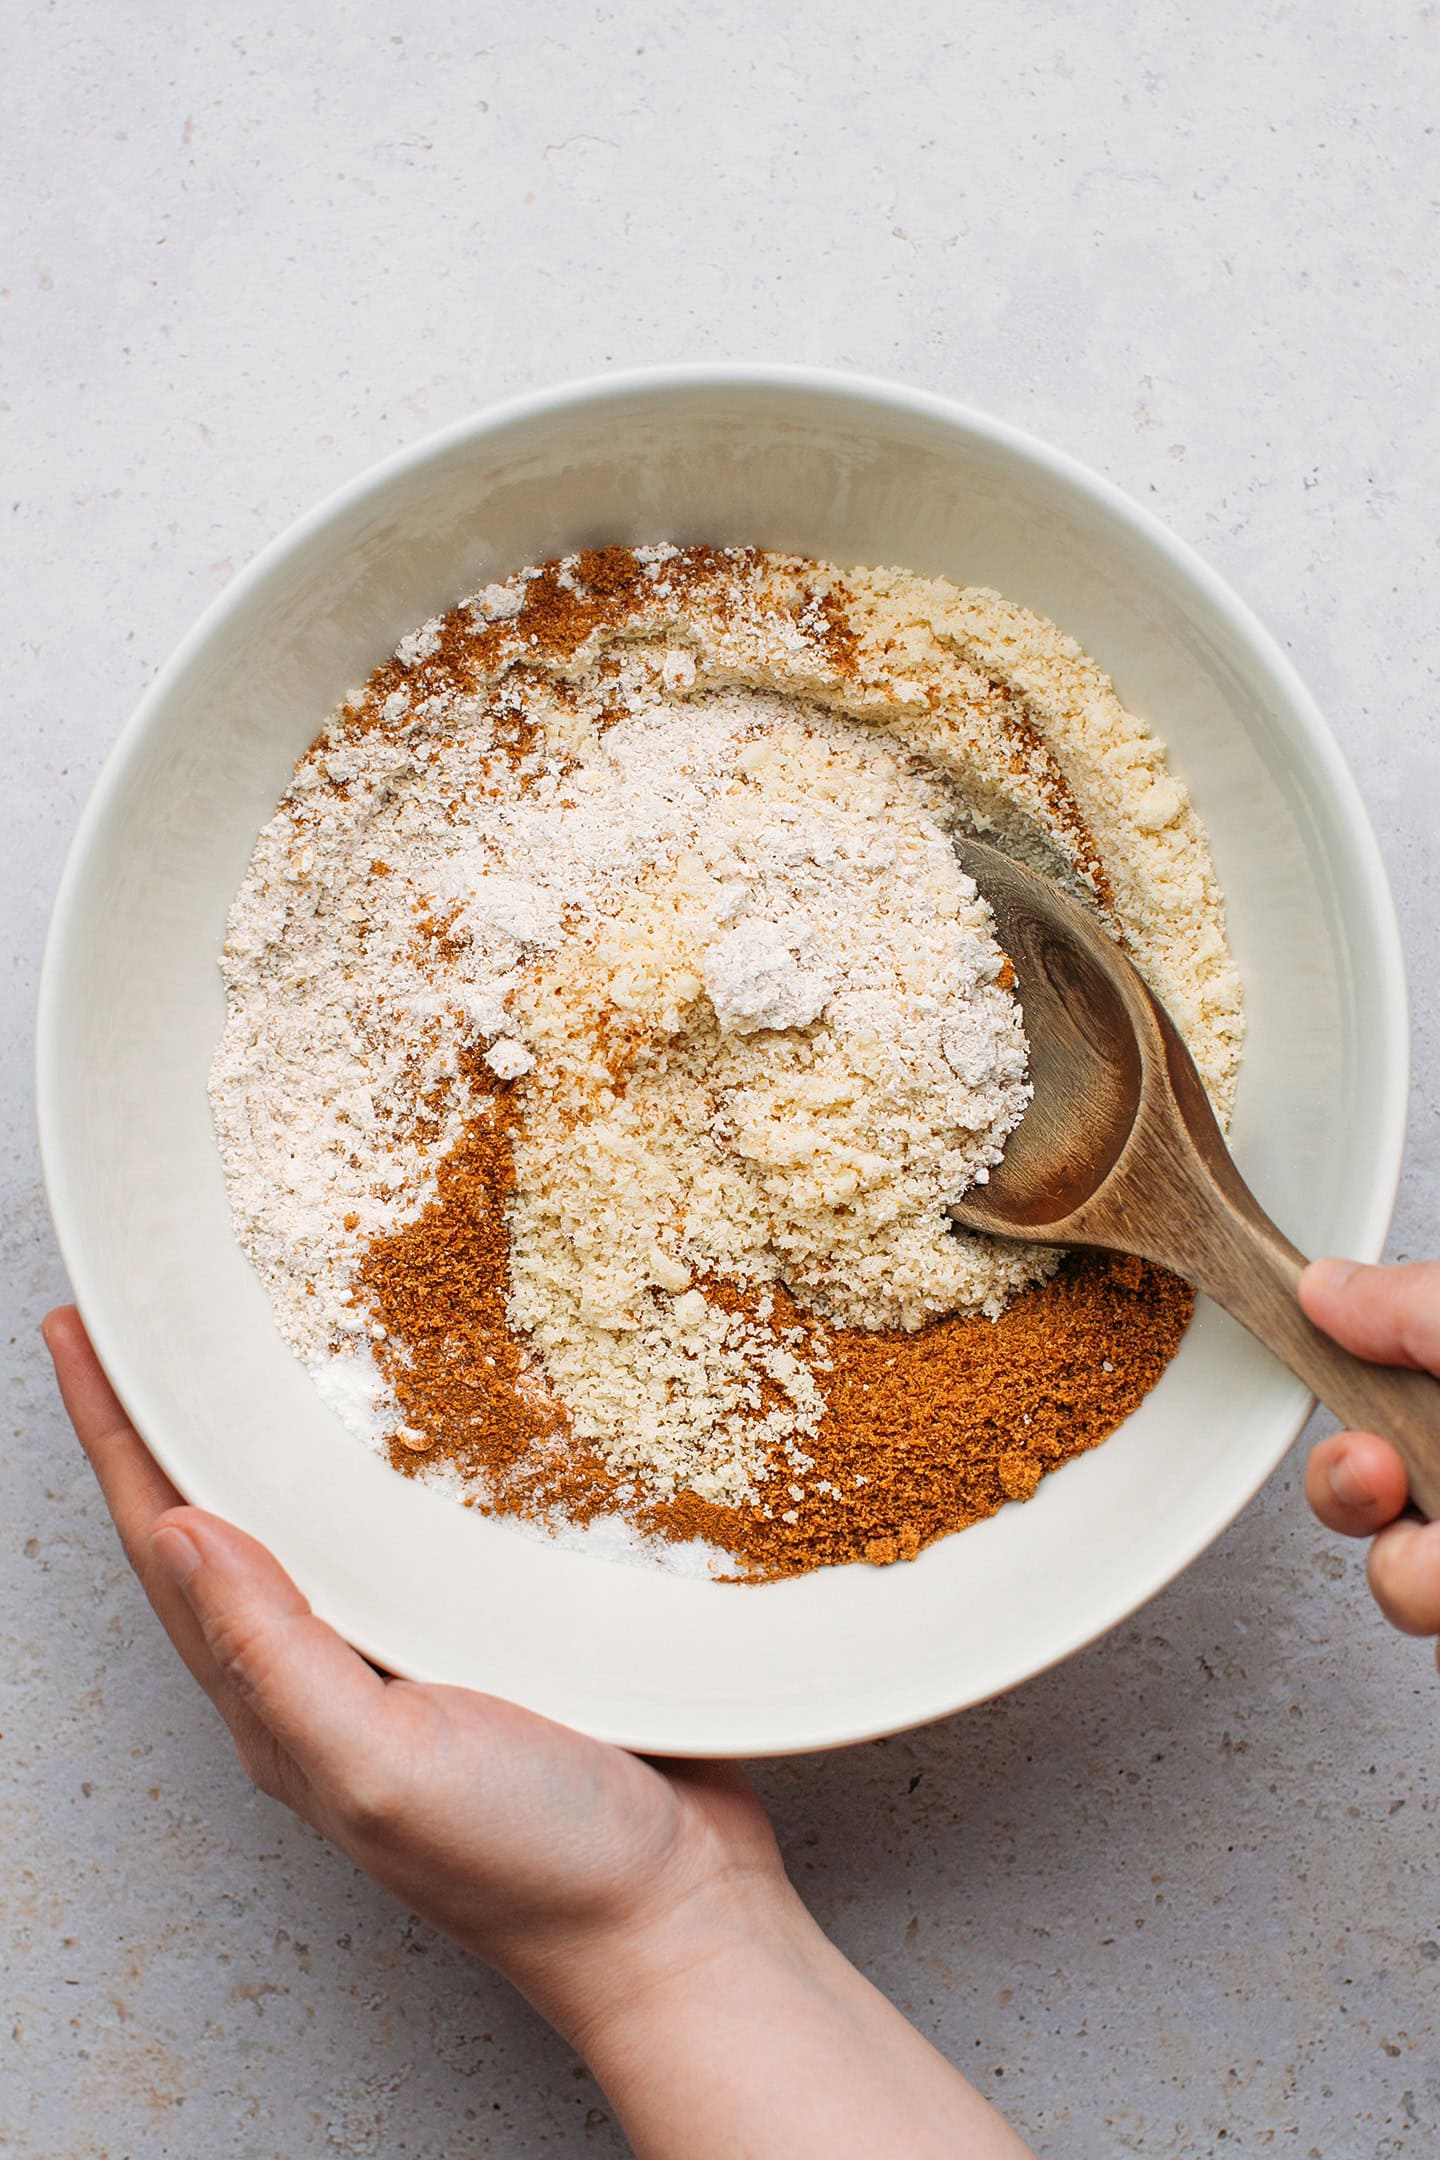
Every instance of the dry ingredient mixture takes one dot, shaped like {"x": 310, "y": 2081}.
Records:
{"x": 610, "y": 1024}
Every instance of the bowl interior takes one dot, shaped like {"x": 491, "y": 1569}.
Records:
{"x": 132, "y": 1006}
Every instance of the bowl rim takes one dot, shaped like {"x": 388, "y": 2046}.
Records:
{"x": 1377, "y": 921}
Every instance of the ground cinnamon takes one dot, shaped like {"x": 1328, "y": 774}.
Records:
{"x": 923, "y": 1433}
{"x": 437, "y": 1285}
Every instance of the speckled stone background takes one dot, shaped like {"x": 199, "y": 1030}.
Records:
{"x": 1182, "y": 1897}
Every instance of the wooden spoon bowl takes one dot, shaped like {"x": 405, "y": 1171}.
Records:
{"x": 1120, "y": 1152}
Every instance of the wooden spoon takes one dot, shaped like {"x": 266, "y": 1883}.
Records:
{"x": 1120, "y": 1151}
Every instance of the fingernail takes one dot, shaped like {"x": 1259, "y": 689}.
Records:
{"x": 177, "y": 1554}
{"x": 1332, "y": 1274}
{"x": 1347, "y": 1484}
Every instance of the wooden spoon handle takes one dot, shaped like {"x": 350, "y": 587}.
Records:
{"x": 1242, "y": 1261}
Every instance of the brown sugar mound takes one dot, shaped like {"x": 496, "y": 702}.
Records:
{"x": 923, "y": 1433}
{"x": 926, "y": 1433}
{"x": 465, "y": 1385}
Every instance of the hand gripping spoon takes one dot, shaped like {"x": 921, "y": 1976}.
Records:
{"x": 1119, "y": 1150}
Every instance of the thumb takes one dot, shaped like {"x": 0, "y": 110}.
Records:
{"x": 292, "y": 1672}
{"x": 1390, "y": 1315}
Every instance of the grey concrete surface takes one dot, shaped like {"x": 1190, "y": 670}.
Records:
{"x": 1183, "y": 1896}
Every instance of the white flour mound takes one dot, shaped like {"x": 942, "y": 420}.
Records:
{"x": 689, "y": 894}
{"x": 822, "y": 1057}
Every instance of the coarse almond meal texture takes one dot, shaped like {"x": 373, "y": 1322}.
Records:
{"x": 610, "y": 1025}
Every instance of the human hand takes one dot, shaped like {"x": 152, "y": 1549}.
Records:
{"x": 1356, "y": 1482}
{"x": 644, "y": 1909}
{"x": 566, "y": 1863}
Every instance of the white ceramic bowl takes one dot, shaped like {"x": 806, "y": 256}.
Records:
{"x": 131, "y": 1005}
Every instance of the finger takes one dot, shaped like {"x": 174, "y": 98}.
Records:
{"x": 1356, "y": 1483}
{"x": 136, "y": 1489}
{"x": 138, "y": 1494}
{"x": 319, "y": 1699}
{"x": 1404, "y": 1571}
{"x": 1390, "y": 1315}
